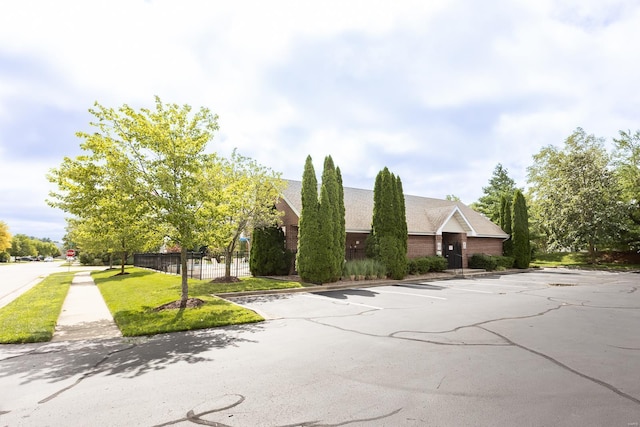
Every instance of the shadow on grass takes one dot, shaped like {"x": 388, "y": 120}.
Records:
{"x": 116, "y": 276}
{"x": 125, "y": 357}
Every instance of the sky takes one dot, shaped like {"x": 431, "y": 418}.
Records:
{"x": 439, "y": 92}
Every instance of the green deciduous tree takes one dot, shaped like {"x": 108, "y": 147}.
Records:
{"x": 500, "y": 185}
{"x": 520, "y": 232}
{"x": 23, "y": 245}
{"x": 155, "y": 158}
{"x": 5, "y": 237}
{"x": 575, "y": 195}
{"x": 627, "y": 168}
{"x": 248, "y": 192}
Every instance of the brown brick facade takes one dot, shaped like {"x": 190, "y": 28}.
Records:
{"x": 418, "y": 245}
{"x": 484, "y": 245}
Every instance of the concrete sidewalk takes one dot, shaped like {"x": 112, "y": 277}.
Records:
{"x": 84, "y": 315}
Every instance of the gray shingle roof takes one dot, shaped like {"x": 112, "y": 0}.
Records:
{"x": 424, "y": 215}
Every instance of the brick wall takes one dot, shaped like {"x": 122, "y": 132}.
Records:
{"x": 419, "y": 246}
{"x": 484, "y": 245}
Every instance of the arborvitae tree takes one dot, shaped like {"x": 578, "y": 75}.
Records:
{"x": 373, "y": 245}
{"x": 401, "y": 216}
{"x": 268, "y": 254}
{"x": 341, "y": 233}
{"x": 506, "y": 225}
{"x": 327, "y": 251}
{"x": 389, "y": 225}
{"x": 520, "y": 236}
{"x": 309, "y": 226}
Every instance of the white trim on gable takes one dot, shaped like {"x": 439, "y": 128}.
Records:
{"x": 456, "y": 222}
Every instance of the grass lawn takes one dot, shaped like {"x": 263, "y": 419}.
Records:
{"x": 32, "y": 317}
{"x": 132, "y": 297}
{"x": 559, "y": 259}
{"x": 578, "y": 260}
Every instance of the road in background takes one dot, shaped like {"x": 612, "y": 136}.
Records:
{"x": 17, "y": 278}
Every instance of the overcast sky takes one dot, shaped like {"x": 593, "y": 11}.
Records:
{"x": 438, "y": 91}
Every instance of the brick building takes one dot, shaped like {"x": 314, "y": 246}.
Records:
{"x": 435, "y": 226}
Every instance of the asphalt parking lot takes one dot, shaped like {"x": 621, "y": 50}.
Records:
{"x": 555, "y": 347}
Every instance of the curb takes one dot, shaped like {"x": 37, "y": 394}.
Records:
{"x": 369, "y": 283}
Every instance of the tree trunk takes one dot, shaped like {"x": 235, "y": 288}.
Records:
{"x": 185, "y": 284}
{"x": 228, "y": 257}
{"x": 124, "y": 260}
{"x": 592, "y": 253}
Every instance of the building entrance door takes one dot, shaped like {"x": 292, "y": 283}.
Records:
{"x": 453, "y": 254}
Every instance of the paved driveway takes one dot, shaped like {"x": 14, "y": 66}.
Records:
{"x": 554, "y": 348}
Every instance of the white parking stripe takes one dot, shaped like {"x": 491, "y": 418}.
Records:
{"x": 406, "y": 293}
{"x": 496, "y": 284}
{"x": 470, "y": 290}
{"x": 333, "y": 300}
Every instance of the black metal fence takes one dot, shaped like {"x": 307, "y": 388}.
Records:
{"x": 199, "y": 266}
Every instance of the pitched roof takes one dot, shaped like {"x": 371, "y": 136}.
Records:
{"x": 425, "y": 216}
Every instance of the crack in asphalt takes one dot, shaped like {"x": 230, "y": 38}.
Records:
{"x": 86, "y": 375}
{"x": 567, "y": 367}
{"x": 196, "y": 418}
{"x": 507, "y": 342}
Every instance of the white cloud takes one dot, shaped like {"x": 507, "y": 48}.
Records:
{"x": 438, "y": 91}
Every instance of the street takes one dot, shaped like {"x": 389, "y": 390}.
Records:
{"x": 17, "y": 278}
{"x": 555, "y": 347}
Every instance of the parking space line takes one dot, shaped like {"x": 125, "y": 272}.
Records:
{"x": 410, "y": 294}
{"x": 329, "y": 299}
{"x": 470, "y": 290}
{"x": 495, "y": 284}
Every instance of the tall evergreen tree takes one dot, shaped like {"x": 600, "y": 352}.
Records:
{"x": 506, "y": 225}
{"x": 500, "y": 185}
{"x": 388, "y": 238}
{"x": 268, "y": 254}
{"x": 401, "y": 216}
{"x": 309, "y": 226}
{"x": 342, "y": 231}
{"x": 320, "y": 256}
{"x": 520, "y": 236}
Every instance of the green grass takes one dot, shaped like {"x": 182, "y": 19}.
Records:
{"x": 246, "y": 284}
{"x": 132, "y": 297}
{"x": 32, "y": 317}
{"x": 559, "y": 259}
{"x": 578, "y": 260}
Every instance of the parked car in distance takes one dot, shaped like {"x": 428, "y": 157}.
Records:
{"x": 48, "y": 259}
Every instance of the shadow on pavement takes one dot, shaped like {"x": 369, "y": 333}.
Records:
{"x": 127, "y": 357}
{"x": 345, "y": 293}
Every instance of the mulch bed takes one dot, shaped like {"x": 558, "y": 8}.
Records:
{"x": 174, "y": 305}
{"x": 231, "y": 279}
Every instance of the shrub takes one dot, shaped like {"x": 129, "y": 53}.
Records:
{"x": 364, "y": 268}
{"x": 439, "y": 263}
{"x": 426, "y": 264}
{"x": 504, "y": 261}
{"x": 486, "y": 262}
